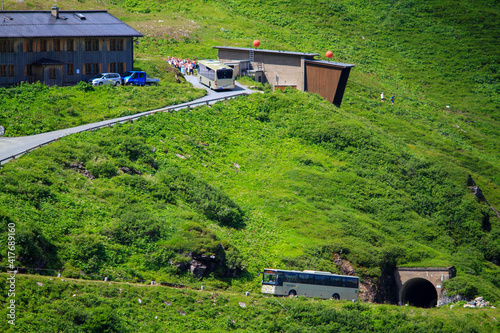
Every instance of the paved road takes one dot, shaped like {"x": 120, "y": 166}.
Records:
{"x": 17, "y": 146}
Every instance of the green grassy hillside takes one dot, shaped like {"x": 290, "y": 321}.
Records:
{"x": 279, "y": 179}
{"x": 70, "y": 306}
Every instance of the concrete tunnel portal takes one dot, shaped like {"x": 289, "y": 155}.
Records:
{"x": 421, "y": 286}
{"x": 419, "y": 292}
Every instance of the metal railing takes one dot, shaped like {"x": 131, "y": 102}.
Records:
{"x": 108, "y": 123}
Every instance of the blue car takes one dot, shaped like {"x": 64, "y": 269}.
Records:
{"x": 138, "y": 78}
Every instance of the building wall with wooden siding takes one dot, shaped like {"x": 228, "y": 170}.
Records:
{"x": 327, "y": 79}
{"x": 72, "y": 62}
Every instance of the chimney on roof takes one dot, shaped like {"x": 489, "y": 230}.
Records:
{"x": 55, "y": 11}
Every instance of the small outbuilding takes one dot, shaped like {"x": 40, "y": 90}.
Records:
{"x": 62, "y": 47}
{"x": 296, "y": 70}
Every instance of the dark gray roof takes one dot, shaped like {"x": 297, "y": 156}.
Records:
{"x": 267, "y": 51}
{"x": 331, "y": 63}
{"x": 31, "y": 24}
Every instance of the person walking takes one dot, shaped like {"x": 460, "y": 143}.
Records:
{"x": 392, "y": 99}
{"x": 382, "y": 97}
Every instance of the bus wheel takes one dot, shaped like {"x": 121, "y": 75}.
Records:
{"x": 336, "y": 297}
{"x": 292, "y": 293}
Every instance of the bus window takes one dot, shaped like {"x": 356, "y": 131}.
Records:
{"x": 290, "y": 277}
{"x": 269, "y": 278}
{"x": 224, "y": 74}
{"x": 322, "y": 280}
{"x": 306, "y": 278}
{"x": 350, "y": 282}
{"x": 336, "y": 281}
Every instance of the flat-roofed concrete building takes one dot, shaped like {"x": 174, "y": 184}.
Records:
{"x": 282, "y": 69}
{"x": 62, "y": 47}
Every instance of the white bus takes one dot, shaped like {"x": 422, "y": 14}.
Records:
{"x": 215, "y": 75}
{"x": 310, "y": 284}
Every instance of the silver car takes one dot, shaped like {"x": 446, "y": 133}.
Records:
{"x": 106, "y": 78}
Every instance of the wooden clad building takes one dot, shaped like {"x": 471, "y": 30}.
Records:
{"x": 328, "y": 79}
{"x": 296, "y": 70}
{"x": 62, "y": 47}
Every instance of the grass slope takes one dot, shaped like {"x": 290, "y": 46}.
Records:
{"x": 276, "y": 180}
{"x": 70, "y": 306}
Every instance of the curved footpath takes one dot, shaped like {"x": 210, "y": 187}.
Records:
{"x": 12, "y": 147}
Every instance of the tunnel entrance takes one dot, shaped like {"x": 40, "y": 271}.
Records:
{"x": 420, "y": 293}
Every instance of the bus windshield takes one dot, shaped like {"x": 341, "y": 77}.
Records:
{"x": 269, "y": 278}
{"x": 224, "y": 74}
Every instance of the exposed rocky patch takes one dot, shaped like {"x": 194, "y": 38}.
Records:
{"x": 479, "y": 194}
{"x": 78, "y": 167}
{"x": 371, "y": 290}
{"x": 201, "y": 265}
{"x": 130, "y": 171}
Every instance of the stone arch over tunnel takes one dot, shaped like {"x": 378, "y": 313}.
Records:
{"x": 419, "y": 292}
{"x": 421, "y": 286}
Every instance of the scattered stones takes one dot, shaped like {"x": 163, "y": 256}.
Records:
{"x": 153, "y": 149}
{"x": 477, "y": 302}
{"x": 241, "y": 304}
{"x": 181, "y": 312}
{"x": 180, "y": 156}
{"x": 78, "y": 167}
{"x": 167, "y": 303}
{"x": 236, "y": 165}
{"x": 140, "y": 300}
{"x": 2, "y": 131}
{"x": 130, "y": 171}
{"x": 40, "y": 284}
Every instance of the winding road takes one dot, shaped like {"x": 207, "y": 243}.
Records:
{"x": 13, "y": 147}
